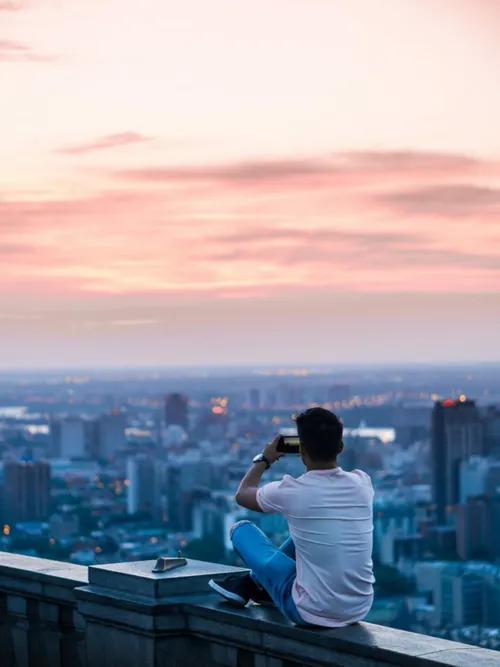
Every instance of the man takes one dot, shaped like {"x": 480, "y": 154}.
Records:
{"x": 322, "y": 575}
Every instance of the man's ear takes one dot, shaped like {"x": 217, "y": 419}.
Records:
{"x": 341, "y": 447}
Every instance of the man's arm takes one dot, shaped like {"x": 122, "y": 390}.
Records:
{"x": 246, "y": 496}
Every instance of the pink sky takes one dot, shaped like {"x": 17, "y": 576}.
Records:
{"x": 277, "y": 180}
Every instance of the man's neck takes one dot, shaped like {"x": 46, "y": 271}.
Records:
{"x": 319, "y": 465}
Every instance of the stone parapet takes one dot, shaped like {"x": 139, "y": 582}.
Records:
{"x": 58, "y": 615}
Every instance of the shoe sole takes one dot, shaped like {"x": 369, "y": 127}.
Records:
{"x": 230, "y": 597}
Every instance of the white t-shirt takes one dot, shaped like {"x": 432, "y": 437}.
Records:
{"x": 330, "y": 517}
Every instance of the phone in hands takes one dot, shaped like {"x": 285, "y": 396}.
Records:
{"x": 288, "y": 444}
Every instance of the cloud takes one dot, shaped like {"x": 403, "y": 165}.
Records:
{"x": 454, "y": 201}
{"x": 104, "y": 143}
{"x": 409, "y": 160}
{"x": 14, "y": 249}
{"x": 358, "y": 231}
{"x": 266, "y": 235}
{"x": 287, "y": 248}
{"x": 11, "y": 51}
{"x": 342, "y": 168}
{"x": 10, "y": 6}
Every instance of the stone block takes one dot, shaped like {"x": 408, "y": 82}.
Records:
{"x": 137, "y": 579}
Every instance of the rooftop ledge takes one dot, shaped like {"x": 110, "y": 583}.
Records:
{"x": 55, "y": 614}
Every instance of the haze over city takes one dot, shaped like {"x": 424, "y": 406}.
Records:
{"x": 244, "y": 183}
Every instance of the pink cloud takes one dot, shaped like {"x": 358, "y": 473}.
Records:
{"x": 343, "y": 168}
{"x": 12, "y": 51}
{"x": 105, "y": 143}
{"x": 387, "y": 228}
{"x": 10, "y": 6}
{"x": 447, "y": 200}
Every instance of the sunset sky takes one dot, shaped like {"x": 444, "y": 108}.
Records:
{"x": 231, "y": 181}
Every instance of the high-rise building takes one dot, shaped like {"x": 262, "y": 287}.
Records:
{"x": 68, "y": 437}
{"x": 457, "y": 434}
{"x": 491, "y": 422}
{"x": 176, "y": 410}
{"x": 254, "y": 399}
{"x": 184, "y": 477}
{"x": 143, "y": 487}
{"x": 473, "y": 477}
{"x": 26, "y": 491}
{"x": 474, "y": 528}
{"x": 111, "y": 433}
{"x": 462, "y": 597}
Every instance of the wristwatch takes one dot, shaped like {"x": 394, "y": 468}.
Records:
{"x": 261, "y": 457}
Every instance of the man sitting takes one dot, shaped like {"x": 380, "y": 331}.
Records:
{"x": 323, "y": 574}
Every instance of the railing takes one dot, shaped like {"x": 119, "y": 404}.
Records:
{"x": 58, "y": 615}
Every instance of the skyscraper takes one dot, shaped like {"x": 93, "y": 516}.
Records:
{"x": 492, "y": 430}
{"x": 111, "y": 433}
{"x": 176, "y": 410}
{"x": 26, "y": 491}
{"x": 254, "y": 399}
{"x": 143, "y": 487}
{"x": 457, "y": 434}
{"x": 68, "y": 437}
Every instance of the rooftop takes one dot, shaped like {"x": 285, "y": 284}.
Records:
{"x": 55, "y": 614}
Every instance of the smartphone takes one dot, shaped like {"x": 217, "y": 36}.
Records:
{"x": 289, "y": 444}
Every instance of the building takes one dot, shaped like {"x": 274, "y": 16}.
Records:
{"x": 176, "y": 410}
{"x": 462, "y": 597}
{"x": 289, "y": 395}
{"x": 26, "y": 491}
{"x": 456, "y": 435}
{"x": 63, "y": 525}
{"x": 473, "y": 525}
{"x": 491, "y": 420}
{"x": 143, "y": 485}
{"x": 338, "y": 393}
{"x": 69, "y": 437}
{"x": 473, "y": 477}
{"x": 185, "y": 477}
{"x": 110, "y": 433}
{"x": 254, "y": 399}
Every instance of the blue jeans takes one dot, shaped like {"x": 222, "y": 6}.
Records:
{"x": 272, "y": 568}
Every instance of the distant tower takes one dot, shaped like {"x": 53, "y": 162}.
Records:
{"x": 107, "y": 435}
{"x": 457, "y": 434}
{"x": 26, "y": 491}
{"x": 143, "y": 490}
{"x": 254, "y": 399}
{"x": 68, "y": 437}
{"x": 176, "y": 410}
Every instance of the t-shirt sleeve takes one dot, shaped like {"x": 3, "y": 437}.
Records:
{"x": 365, "y": 478}
{"x": 270, "y": 498}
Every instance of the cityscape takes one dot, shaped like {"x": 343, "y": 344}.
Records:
{"x": 108, "y": 466}
{"x": 213, "y": 217}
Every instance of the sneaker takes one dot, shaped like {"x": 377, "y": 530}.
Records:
{"x": 235, "y": 589}
{"x": 262, "y": 597}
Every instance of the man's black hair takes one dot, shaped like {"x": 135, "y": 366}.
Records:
{"x": 320, "y": 433}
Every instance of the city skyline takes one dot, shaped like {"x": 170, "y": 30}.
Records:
{"x": 275, "y": 183}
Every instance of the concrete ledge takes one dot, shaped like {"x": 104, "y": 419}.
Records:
{"x": 64, "y": 615}
{"x": 40, "y": 578}
{"x": 265, "y": 631}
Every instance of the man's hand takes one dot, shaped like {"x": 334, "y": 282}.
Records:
{"x": 246, "y": 496}
{"x": 270, "y": 451}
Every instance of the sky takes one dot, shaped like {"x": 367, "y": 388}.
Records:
{"x": 275, "y": 181}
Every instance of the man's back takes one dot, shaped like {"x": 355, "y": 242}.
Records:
{"x": 330, "y": 517}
